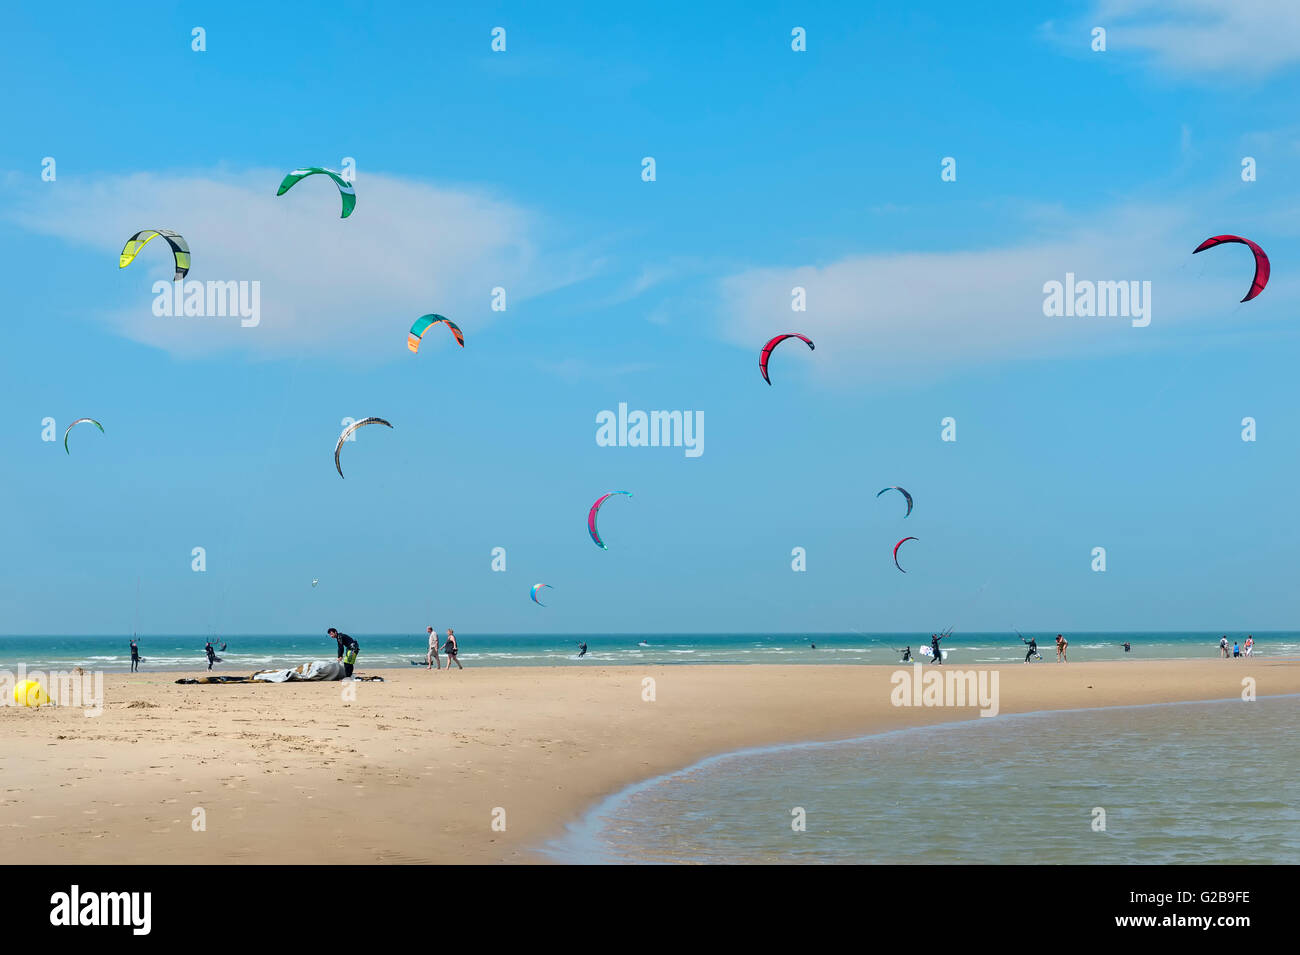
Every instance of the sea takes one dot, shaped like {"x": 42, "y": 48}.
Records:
{"x": 1164, "y": 784}
{"x": 244, "y": 654}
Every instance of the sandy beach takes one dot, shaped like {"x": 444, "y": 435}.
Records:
{"x": 415, "y": 767}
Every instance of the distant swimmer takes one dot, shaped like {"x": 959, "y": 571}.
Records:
{"x": 643, "y": 644}
{"x": 453, "y": 650}
{"x": 907, "y": 653}
{"x": 582, "y": 650}
{"x": 1223, "y": 646}
{"x": 1250, "y": 645}
{"x": 814, "y": 646}
{"x": 135, "y": 656}
{"x": 1061, "y": 644}
{"x": 223, "y": 648}
{"x": 212, "y": 654}
{"x": 1127, "y": 647}
{"x": 348, "y": 649}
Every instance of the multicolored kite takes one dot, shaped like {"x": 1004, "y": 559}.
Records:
{"x": 422, "y": 325}
{"x": 180, "y": 249}
{"x": 347, "y": 431}
{"x": 346, "y": 191}
{"x": 898, "y": 545}
{"x": 1261, "y": 260}
{"x": 767, "y": 351}
{"x": 77, "y": 422}
{"x": 895, "y": 487}
{"x": 591, "y": 517}
{"x": 532, "y": 592}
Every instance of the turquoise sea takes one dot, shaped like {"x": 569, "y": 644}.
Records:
{"x": 1179, "y": 783}
{"x": 247, "y": 653}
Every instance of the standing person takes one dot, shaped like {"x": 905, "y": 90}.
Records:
{"x": 1236, "y": 648}
{"x": 212, "y": 654}
{"x": 1127, "y": 646}
{"x": 1032, "y": 645}
{"x": 431, "y": 657}
{"x": 452, "y": 650}
{"x": 934, "y": 647}
{"x": 1250, "y": 645}
{"x": 1061, "y": 644}
{"x": 1223, "y": 646}
{"x": 348, "y": 650}
{"x": 135, "y": 656}
{"x": 906, "y": 652}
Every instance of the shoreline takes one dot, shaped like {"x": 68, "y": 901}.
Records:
{"x": 417, "y": 768}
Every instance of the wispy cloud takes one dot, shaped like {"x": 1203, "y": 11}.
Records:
{"x": 327, "y": 284}
{"x": 897, "y": 314}
{"x": 1252, "y": 37}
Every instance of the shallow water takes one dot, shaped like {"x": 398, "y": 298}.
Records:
{"x": 1178, "y": 783}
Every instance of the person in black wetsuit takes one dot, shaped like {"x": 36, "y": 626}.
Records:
{"x": 1032, "y": 644}
{"x": 223, "y": 648}
{"x": 582, "y": 650}
{"x": 907, "y": 653}
{"x": 934, "y": 647}
{"x": 212, "y": 654}
{"x": 1127, "y": 647}
{"x": 348, "y": 649}
{"x": 135, "y": 656}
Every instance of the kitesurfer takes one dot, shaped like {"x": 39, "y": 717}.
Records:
{"x": 135, "y": 656}
{"x": 1127, "y": 647}
{"x": 1032, "y": 651}
{"x": 582, "y": 650}
{"x": 348, "y": 649}
{"x": 934, "y": 647}
{"x": 906, "y": 652}
{"x": 212, "y": 654}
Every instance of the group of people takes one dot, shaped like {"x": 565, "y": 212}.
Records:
{"x": 449, "y": 648}
{"x": 1062, "y": 644}
{"x": 1236, "y": 647}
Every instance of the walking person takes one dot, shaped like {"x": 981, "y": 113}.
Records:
{"x": 1061, "y": 644}
{"x": 212, "y": 654}
{"x": 348, "y": 650}
{"x": 1250, "y": 645}
{"x": 1223, "y": 646}
{"x": 452, "y": 650}
{"x": 431, "y": 657}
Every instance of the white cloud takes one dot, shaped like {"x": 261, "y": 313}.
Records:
{"x": 327, "y": 284}
{"x": 1186, "y": 36}
{"x": 902, "y": 314}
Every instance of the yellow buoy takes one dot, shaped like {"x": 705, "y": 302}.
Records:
{"x": 30, "y": 693}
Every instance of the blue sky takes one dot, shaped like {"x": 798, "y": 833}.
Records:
{"x": 522, "y": 169}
